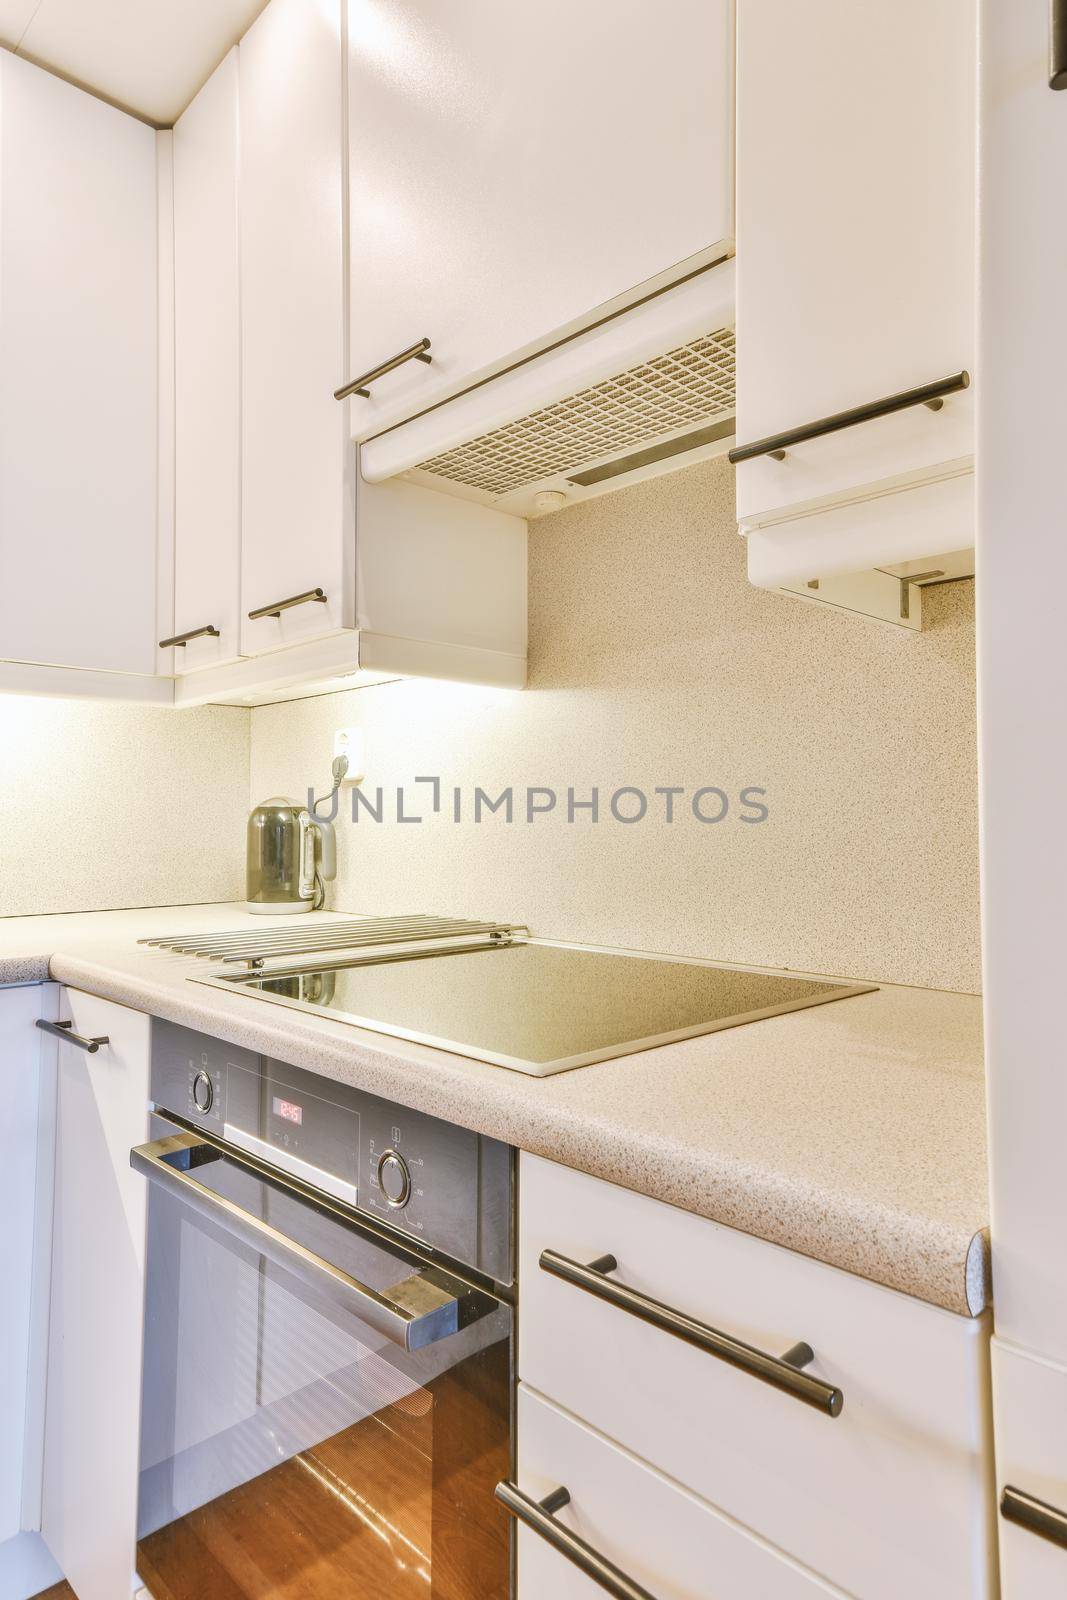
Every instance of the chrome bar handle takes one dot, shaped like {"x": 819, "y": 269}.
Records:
{"x": 276, "y": 607}
{"x": 182, "y": 639}
{"x": 931, "y": 395}
{"x": 539, "y": 1516}
{"x": 782, "y": 1372}
{"x": 414, "y": 352}
{"x": 423, "y": 1308}
{"x": 1036, "y": 1515}
{"x": 65, "y": 1030}
{"x": 1057, "y": 44}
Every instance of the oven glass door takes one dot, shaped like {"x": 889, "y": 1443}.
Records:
{"x": 322, "y": 1416}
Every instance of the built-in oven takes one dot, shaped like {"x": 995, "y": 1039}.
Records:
{"x": 328, "y": 1339}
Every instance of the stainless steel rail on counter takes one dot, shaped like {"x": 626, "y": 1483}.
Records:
{"x": 255, "y": 945}
{"x": 782, "y": 1372}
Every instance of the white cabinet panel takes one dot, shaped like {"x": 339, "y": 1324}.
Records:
{"x": 1030, "y": 1400}
{"x": 910, "y": 1451}
{"x": 296, "y": 459}
{"x": 207, "y": 556}
{"x": 513, "y": 167}
{"x": 435, "y": 569}
{"x": 26, "y": 1568}
{"x": 661, "y": 1537}
{"x": 14, "y": 16}
{"x": 1022, "y": 667}
{"x": 77, "y": 378}
{"x": 20, "y": 1072}
{"x": 856, "y": 198}
{"x": 94, "y": 1366}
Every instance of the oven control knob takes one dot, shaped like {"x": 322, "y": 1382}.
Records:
{"x": 394, "y": 1179}
{"x": 203, "y": 1092}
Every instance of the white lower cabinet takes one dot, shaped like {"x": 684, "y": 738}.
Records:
{"x": 1030, "y": 1404}
{"x": 25, "y": 1193}
{"x": 651, "y": 1529}
{"x": 92, "y": 1423}
{"x": 893, "y": 1496}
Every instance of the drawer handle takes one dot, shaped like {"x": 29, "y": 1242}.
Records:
{"x": 276, "y": 607}
{"x": 1057, "y": 45}
{"x": 65, "y": 1030}
{"x": 927, "y": 394}
{"x": 1036, "y": 1515}
{"x": 182, "y": 639}
{"x": 782, "y": 1372}
{"x": 414, "y": 352}
{"x": 538, "y": 1515}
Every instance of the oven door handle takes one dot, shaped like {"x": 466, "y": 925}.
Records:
{"x": 421, "y": 1309}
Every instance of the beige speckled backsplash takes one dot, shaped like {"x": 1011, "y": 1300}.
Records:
{"x": 104, "y": 806}
{"x": 653, "y": 662}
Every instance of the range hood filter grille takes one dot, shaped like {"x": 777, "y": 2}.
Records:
{"x": 692, "y": 384}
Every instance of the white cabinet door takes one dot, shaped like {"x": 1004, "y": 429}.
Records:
{"x": 207, "y": 366}
{"x": 909, "y": 1451}
{"x": 77, "y": 378}
{"x": 855, "y": 228}
{"x": 1022, "y": 667}
{"x": 674, "y": 1545}
{"x": 92, "y": 1421}
{"x": 20, "y": 1071}
{"x": 1030, "y": 1397}
{"x": 296, "y": 512}
{"x": 512, "y": 167}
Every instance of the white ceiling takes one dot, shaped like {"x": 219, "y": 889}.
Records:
{"x": 150, "y": 56}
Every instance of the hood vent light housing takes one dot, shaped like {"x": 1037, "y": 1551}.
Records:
{"x": 585, "y": 434}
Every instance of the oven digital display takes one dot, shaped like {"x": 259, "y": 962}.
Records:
{"x": 288, "y": 1110}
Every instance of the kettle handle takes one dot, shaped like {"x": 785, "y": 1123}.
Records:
{"x": 308, "y": 853}
{"x": 326, "y": 849}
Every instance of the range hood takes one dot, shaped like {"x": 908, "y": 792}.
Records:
{"x": 639, "y": 390}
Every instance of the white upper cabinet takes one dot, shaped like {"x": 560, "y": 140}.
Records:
{"x": 78, "y": 386}
{"x": 309, "y": 573}
{"x": 207, "y": 370}
{"x": 855, "y": 276}
{"x": 514, "y": 167}
{"x": 296, "y": 510}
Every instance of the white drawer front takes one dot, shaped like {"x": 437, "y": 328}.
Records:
{"x": 893, "y": 1496}
{"x": 661, "y": 1537}
{"x": 1030, "y": 1399}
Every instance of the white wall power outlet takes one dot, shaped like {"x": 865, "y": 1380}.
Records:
{"x": 349, "y": 742}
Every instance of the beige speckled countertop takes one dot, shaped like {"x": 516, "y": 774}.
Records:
{"x": 852, "y": 1132}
